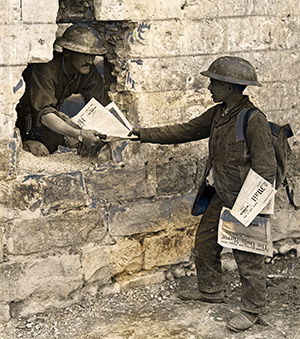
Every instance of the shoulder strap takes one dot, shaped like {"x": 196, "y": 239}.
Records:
{"x": 242, "y": 122}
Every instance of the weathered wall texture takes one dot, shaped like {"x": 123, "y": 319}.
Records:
{"x": 72, "y": 226}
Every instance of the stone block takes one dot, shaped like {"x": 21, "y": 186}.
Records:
{"x": 1, "y": 244}
{"x": 277, "y": 8}
{"x": 217, "y": 8}
{"x": 95, "y": 261}
{"x": 12, "y": 88}
{"x": 4, "y": 313}
{"x": 50, "y": 192}
{"x": 126, "y": 256}
{"x": 10, "y": 11}
{"x": 164, "y": 108}
{"x": 9, "y": 150}
{"x": 140, "y": 279}
{"x": 34, "y": 11}
{"x": 181, "y": 211}
{"x": 139, "y": 217}
{"x": 54, "y": 276}
{"x": 169, "y": 38}
{"x": 285, "y": 221}
{"x": 167, "y": 249}
{"x": 166, "y": 74}
{"x": 117, "y": 183}
{"x": 275, "y": 96}
{"x": 137, "y": 11}
{"x": 39, "y": 48}
{"x": 70, "y": 228}
{"x": 175, "y": 175}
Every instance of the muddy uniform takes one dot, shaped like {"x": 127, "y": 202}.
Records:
{"x": 47, "y": 85}
{"x": 230, "y": 160}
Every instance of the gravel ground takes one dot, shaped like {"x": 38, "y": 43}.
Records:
{"x": 155, "y": 312}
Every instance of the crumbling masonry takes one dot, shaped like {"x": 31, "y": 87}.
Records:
{"x": 71, "y": 227}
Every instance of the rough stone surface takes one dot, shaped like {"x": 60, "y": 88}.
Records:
{"x": 108, "y": 183}
{"x": 71, "y": 228}
{"x": 167, "y": 249}
{"x": 133, "y": 10}
{"x": 31, "y": 11}
{"x": 49, "y": 192}
{"x": 53, "y": 276}
{"x": 4, "y": 313}
{"x": 141, "y": 279}
{"x": 139, "y": 217}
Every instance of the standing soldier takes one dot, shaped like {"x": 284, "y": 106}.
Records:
{"x": 228, "y": 164}
{"x": 42, "y": 126}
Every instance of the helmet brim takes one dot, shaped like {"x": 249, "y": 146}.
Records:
{"x": 80, "y": 49}
{"x": 230, "y": 80}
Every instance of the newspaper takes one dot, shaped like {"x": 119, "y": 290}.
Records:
{"x": 107, "y": 120}
{"x": 255, "y": 194}
{"x": 256, "y": 238}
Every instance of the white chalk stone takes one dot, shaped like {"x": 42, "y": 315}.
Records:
{"x": 137, "y": 10}
{"x": 42, "y": 11}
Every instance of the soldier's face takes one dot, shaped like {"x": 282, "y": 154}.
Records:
{"x": 80, "y": 62}
{"x": 219, "y": 90}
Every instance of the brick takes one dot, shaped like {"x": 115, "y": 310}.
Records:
{"x": 139, "y": 217}
{"x": 116, "y": 183}
{"x": 71, "y": 228}
{"x": 10, "y": 11}
{"x": 34, "y": 11}
{"x": 54, "y": 276}
{"x": 167, "y": 249}
{"x": 23, "y": 50}
{"x": 137, "y": 11}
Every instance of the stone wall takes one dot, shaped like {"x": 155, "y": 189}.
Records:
{"x": 73, "y": 227}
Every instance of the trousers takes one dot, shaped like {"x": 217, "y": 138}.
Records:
{"x": 251, "y": 266}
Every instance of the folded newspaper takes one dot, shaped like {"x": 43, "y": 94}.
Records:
{"x": 255, "y": 197}
{"x": 256, "y": 238}
{"x": 107, "y": 120}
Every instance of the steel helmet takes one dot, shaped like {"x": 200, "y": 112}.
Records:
{"x": 83, "y": 39}
{"x": 234, "y": 70}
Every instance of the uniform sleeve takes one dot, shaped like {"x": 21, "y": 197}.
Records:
{"x": 196, "y": 129}
{"x": 42, "y": 91}
{"x": 259, "y": 141}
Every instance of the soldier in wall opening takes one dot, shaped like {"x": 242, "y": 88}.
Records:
{"x": 42, "y": 124}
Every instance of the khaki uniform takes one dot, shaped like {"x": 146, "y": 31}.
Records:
{"x": 47, "y": 85}
{"x": 231, "y": 161}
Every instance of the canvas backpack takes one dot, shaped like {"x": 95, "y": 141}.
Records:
{"x": 280, "y": 135}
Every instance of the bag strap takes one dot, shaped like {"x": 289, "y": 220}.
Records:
{"x": 242, "y": 122}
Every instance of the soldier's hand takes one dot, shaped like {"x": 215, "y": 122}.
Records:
{"x": 135, "y": 131}
{"x": 91, "y": 137}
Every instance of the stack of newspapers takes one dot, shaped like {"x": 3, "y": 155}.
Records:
{"x": 107, "y": 120}
{"x": 246, "y": 226}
